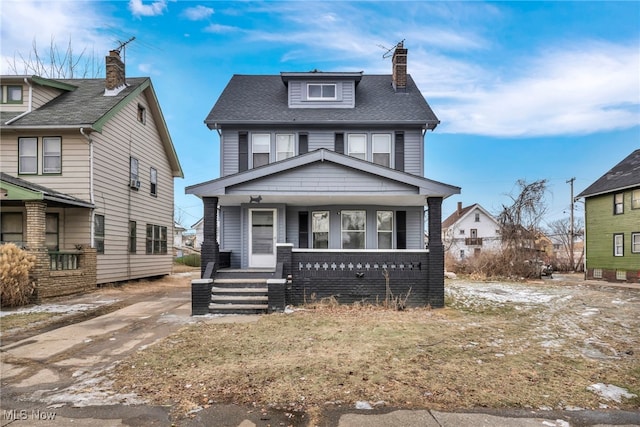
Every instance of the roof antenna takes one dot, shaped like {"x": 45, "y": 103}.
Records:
{"x": 389, "y": 52}
{"x": 123, "y": 44}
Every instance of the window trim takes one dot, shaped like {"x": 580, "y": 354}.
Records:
{"x": 156, "y": 239}
{"x": 322, "y": 87}
{"x": 616, "y": 246}
{"x": 55, "y": 233}
{"x": 363, "y": 231}
{"x": 6, "y": 91}
{"x": 314, "y": 231}
{"x": 635, "y": 199}
{"x": 635, "y": 245}
{"x": 20, "y": 156}
{"x": 351, "y": 152}
{"x": 153, "y": 181}
{"x": 99, "y": 232}
{"x": 374, "y": 136}
{"x": 22, "y": 228}
{"x": 254, "y": 152}
{"x": 616, "y": 204}
{"x": 134, "y": 176}
{"x": 389, "y": 232}
{"x": 46, "y": 139}
{"x": 292, "y": 140}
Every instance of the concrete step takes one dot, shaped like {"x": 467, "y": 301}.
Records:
{"x": 219, "y": 290}
{"x": 247, "y": 281}
{"x": 237, "y": 299}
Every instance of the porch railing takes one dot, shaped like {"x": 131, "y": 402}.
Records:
{"x": 473, "y": 241}
{"x": 64, "y": 260}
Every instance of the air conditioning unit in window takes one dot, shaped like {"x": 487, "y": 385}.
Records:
{"x": 135, "y": 184}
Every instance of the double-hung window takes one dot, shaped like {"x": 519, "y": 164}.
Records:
{"x": 51, "y": 231}
{"x": 99, "y": 233}
{"x": 384, "y": 222}
{"x": 357, "y": 145}
{"x": 618, "y": 203}
{"x": 52, "y": 155}
{"x": 321, "y": 91}
{"x": 260, "y": 149}
{"x": 153, "y": 180}
{"x": 635, "y": 243}
{"x": 381, "y": 149}
{"x": 11, "y": 228}
{"x": 320, "y": 229}
{"x": 133, "y": 240}
{"x": 284, "y": 146}
{"x": 635, "y": 199}
{"x": 353, "y": 229}
{"x": 618, "y": 245}
{"x": 28, "y": 155}
{"x": 134, "y": 176}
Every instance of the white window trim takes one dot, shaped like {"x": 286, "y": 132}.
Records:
{"x": 45, "y": 140}
{"x": 363, "y": 231}
{"x": 617, "y": 245}
{"x": 291, "y": 139}
{"x": 314, "y": 231}
{"x": 379, "y": 231}
{"x": 388, "y": 151}
{"x": 254, "y": 137}
{"x": 322, "y": 98}
{"x": 634, "y": 237}
{"x": 21, "y": 156}
{"x": 351, "y": 152}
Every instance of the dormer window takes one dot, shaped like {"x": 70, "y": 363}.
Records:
{"x": 11, "y": 94}
{"x": 324, "y": 91}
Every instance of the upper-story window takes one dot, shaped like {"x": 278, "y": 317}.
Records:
{"x": 153, "y": 181}
{"x": 618, "y": 203}
{"x": 321, "y": 91}
{"x": 142, "y": 114}
{"x": 381, "y": 149}
{"x": 51, "y": 155}
{"x": 134, "y": 176}
{"x": 285, "y": 144}
{"x": 27, "y": 155}
{"x": 260, "y": 149}
{"x": 635, "y": 199}
{"x": 357, "y": 145}
{"x": 477, "y": 217}
{"x": 11, "y": 94}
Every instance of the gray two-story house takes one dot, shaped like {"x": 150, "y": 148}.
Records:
{"x": 322, "y": 176}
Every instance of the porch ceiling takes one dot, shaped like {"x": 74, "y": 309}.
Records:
{"x": 322, "y": 199}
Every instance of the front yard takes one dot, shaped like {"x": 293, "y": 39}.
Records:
{"x": 548, "y": 345}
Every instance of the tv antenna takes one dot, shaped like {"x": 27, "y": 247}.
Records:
{"x": 389, "y": 52}
{"x": 123, "y": 44}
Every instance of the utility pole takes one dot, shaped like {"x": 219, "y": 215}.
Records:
{"x": 571, "y": 227}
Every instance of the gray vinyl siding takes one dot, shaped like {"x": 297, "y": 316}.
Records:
{"x": 323, "y": 178}
{"x": 345, "y": 95}
{"x": 231, "y": 237}
{"x": 281, "y": 227}
{"x": 322, "y": 138}
{"x": 121, "y": 138}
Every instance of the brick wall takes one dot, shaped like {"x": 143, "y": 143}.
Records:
{"x": 68, "y": 282}
{"x": 632, "y": 276}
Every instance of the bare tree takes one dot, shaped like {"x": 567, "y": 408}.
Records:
{"x": 56, "y": 63}
{"x": 561, "y": 229}
{"x": 520, "y": 225}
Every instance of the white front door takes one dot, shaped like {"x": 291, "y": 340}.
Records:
{"x": 262, "y": 237}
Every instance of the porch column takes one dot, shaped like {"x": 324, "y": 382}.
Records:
{"x": 36, "y": 241}
{"x": 435, "y": 275}
{"x": 210, "y": 250}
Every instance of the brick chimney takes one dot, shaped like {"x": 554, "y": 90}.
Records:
{"x": 459, "y": 208}
{"x": 399, "y": 76}
{"x": 115, "y": 72}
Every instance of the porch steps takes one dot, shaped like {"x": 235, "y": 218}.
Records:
{"x": 240, "y": 292}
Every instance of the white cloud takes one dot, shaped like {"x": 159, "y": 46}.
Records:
{"x": 576, "y": 90}
{"x": 198, "y": 13}
{"x": 138, "y": 8}
{"x": 218, "y": 28}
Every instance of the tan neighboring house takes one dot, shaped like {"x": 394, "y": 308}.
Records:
{"x": 87, "y": 183}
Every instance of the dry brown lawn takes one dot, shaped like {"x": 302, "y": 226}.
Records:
{"x": 541, "y": 350}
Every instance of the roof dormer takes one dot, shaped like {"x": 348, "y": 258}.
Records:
{"x": 317, "y": 89}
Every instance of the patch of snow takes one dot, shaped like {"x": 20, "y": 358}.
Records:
{"x": 57, "y": 308}
{"x": 611, "y": 392}
{"x": 363, "y": 405}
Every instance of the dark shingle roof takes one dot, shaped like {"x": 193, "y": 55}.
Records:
{"x": 625, "y": 174}
{"x": 263, "y": 99}
{"x": 83, "y": 106}
{"x": 456, "y": 215}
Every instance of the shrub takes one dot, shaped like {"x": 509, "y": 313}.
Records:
{"x": 15, "y": 286}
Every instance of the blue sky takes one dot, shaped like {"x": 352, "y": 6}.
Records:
{"x": 523, "y": 90}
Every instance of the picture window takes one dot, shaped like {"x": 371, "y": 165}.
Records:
{"x": 353, "y": 229}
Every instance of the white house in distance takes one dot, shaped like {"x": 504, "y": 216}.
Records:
{"x": 470, "y": 230}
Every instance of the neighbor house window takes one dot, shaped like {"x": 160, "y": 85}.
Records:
{"x": 134, "y": 177}
{"x": 11, "y": 228}
{"x": 142, "y": 114}
{"x": 323, "y": 91}
{"x": 635, "y": 199}
{"x": 98, "y": 233}
{"x": 156, "y": 239}
{"x": 597, "y": 273}
{"x": 477, "y": 217}
{"x": 28, "y": 155}
{"x": 621, "y": 275}
{"x": 635, "y": 243}
{"x": 381, "y": 149}
{"x": 284, "y": 146}
{"x": 618, "y": 204}
{"x": 153, "y": 180}
{"x": 51, "y": 231}
{"x": 357, "y": 146}
{"x": 260, "y": 149}
{"x": 320, "y": 229}
{"x": 384, "y": 222}
{"x": 52, "y": 155}
{"x": 353, "y": 229}
{"x": 133, "y": 242}
{"x": 11, "y": 94}
{"x": 618, "y": 245}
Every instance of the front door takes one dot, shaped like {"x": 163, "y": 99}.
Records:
{"x": 262, "y": 238}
